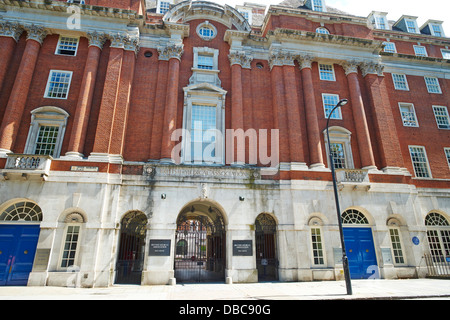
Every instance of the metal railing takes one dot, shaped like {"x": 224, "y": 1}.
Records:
{"x": 438, "y": 266}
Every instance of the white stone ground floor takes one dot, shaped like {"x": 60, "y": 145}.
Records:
{"x": 306, "y": 239}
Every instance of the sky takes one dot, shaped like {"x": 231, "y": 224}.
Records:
{"x": 424, "y": 10}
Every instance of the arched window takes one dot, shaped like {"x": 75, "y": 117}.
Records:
{"x": 71, "y": 239}
{"x": 22, "y": 211}
{"x": 340, "y": 141}
{"x": 438, "y": 235}
{"x": 396, "y": 242}
{"x": 46, "y": 134}
{"x": 353, "y": 216}
{"x": 317, "y": 241}
{"x": 322, "y": 30}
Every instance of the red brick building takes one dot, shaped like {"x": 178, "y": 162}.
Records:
{"x": 93, "y": 97}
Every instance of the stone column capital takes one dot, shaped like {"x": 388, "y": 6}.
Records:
{"x": 350, "y": 67}
{"x": 240, "y": 58}
{"x": 281, "y": 58}
{"x": 371, "y": 68}
{"x": 10, "y": 29}
{"x": 35, "y": 32}
{"x": 171, "y": 51}
{"x": 96, "y": 39}
{"x": 124, "y": 41}
{"x": 305, "y": 61}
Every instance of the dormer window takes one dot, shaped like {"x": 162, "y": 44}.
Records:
{"x": 433, "y": 27}
{"x": 411, "y": 26}
{"x": 436, "y": 30}
{"x": 318, "y": 5}
{"x": 379, "y": 20}
{"x": 163, "y": 6}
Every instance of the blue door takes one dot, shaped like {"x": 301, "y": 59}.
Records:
{"x": 17, "y": 250}
{"x": 360, "y": 251}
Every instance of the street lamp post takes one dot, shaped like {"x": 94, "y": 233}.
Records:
{"x": 336, "y": 198}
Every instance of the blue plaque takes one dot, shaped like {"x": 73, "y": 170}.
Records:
{"x": 416, "y": 241}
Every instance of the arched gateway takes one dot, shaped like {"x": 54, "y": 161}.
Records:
{"x": 200, "y": 244}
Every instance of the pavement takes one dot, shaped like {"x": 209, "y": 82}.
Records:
{"x": 267, "y": 291}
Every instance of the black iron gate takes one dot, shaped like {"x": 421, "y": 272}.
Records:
{"x": 266, "y": 251}
{"x": 200, "y": 251}
{"x": 130, "y": 260}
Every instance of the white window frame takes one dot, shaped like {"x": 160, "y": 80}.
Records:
{"x": 432, "y": 86}
{"x": 77, "y": 250}
{"x": 342, "y": 136}
{"x": 409, "y": 28}
{"x": 315, "y": 6}
{"x": 338, "y": 111}
{"x": 427, "y": 164}
{"x": 445, "y": 54}
{"x": 210, "y": 95}
{"x": 247, "y": 13}
{"x": 403, "y": 81}
{"x": 433, "y": 32}
{"x": 420, "y": 51}
{"x": 446, "y": 115}
{"x": 329, "y": 73}
{"x": 214, "y": 53}
{"x": 322, "y": 30}
{"x": 399, "y": 246}
{"x": 447, "y": 155}
{"x": 158, "y": 6}
{"x": 59, "y": 43}
{"x": 47, "y": 88}
{"x": 322, "y": 252}
{"x": 206, "y": 25}
{"x": 391, "y": 45}
{"x": 409, "y": 120}
{"x": 381, "y": 22}
{"x": 46, "y": 116}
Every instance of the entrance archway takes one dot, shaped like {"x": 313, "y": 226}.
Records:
{"x": 200, "y": 244}
{"x": 130, "y": 260}
{"x": 19, "y": 234}
{"x": 266, "y": 248}
{"x": 359, "y": 245}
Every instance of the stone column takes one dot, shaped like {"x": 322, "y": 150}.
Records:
{"x": 238, "y": 60}
{"x": 19, "y": 94}
{"x": 386, "y": 133}
{"x": 9, "y": 35}
{"x": 312, "y": 123}
{"x": 108, "y": 103}
{"x": 284, "y": 89}
{"x": 81, "y": 118}
{"x": 174, "y": 54}
{"x": 293, "y": 116}
{"x": 276, "y": 61}
{"x": 117, "y": 141}
{"x": 158, "y": 110}
{"x": 359, "y": 116}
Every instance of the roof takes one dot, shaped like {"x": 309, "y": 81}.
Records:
{"x": 300, "y": 4}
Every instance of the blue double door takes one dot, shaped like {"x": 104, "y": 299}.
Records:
{"x": 360, "y": 250}
{"x": 17, "y": 250}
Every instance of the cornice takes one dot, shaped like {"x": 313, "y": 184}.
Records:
{"x": 280, "y": 34}
{"x": 411, "y": 37}
{"x": 59, "y": 6}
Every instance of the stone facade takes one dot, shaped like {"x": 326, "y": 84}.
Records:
{"x": 135, "y": 80}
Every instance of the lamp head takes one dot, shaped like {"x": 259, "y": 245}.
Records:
{"x": 343, "y": 102}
